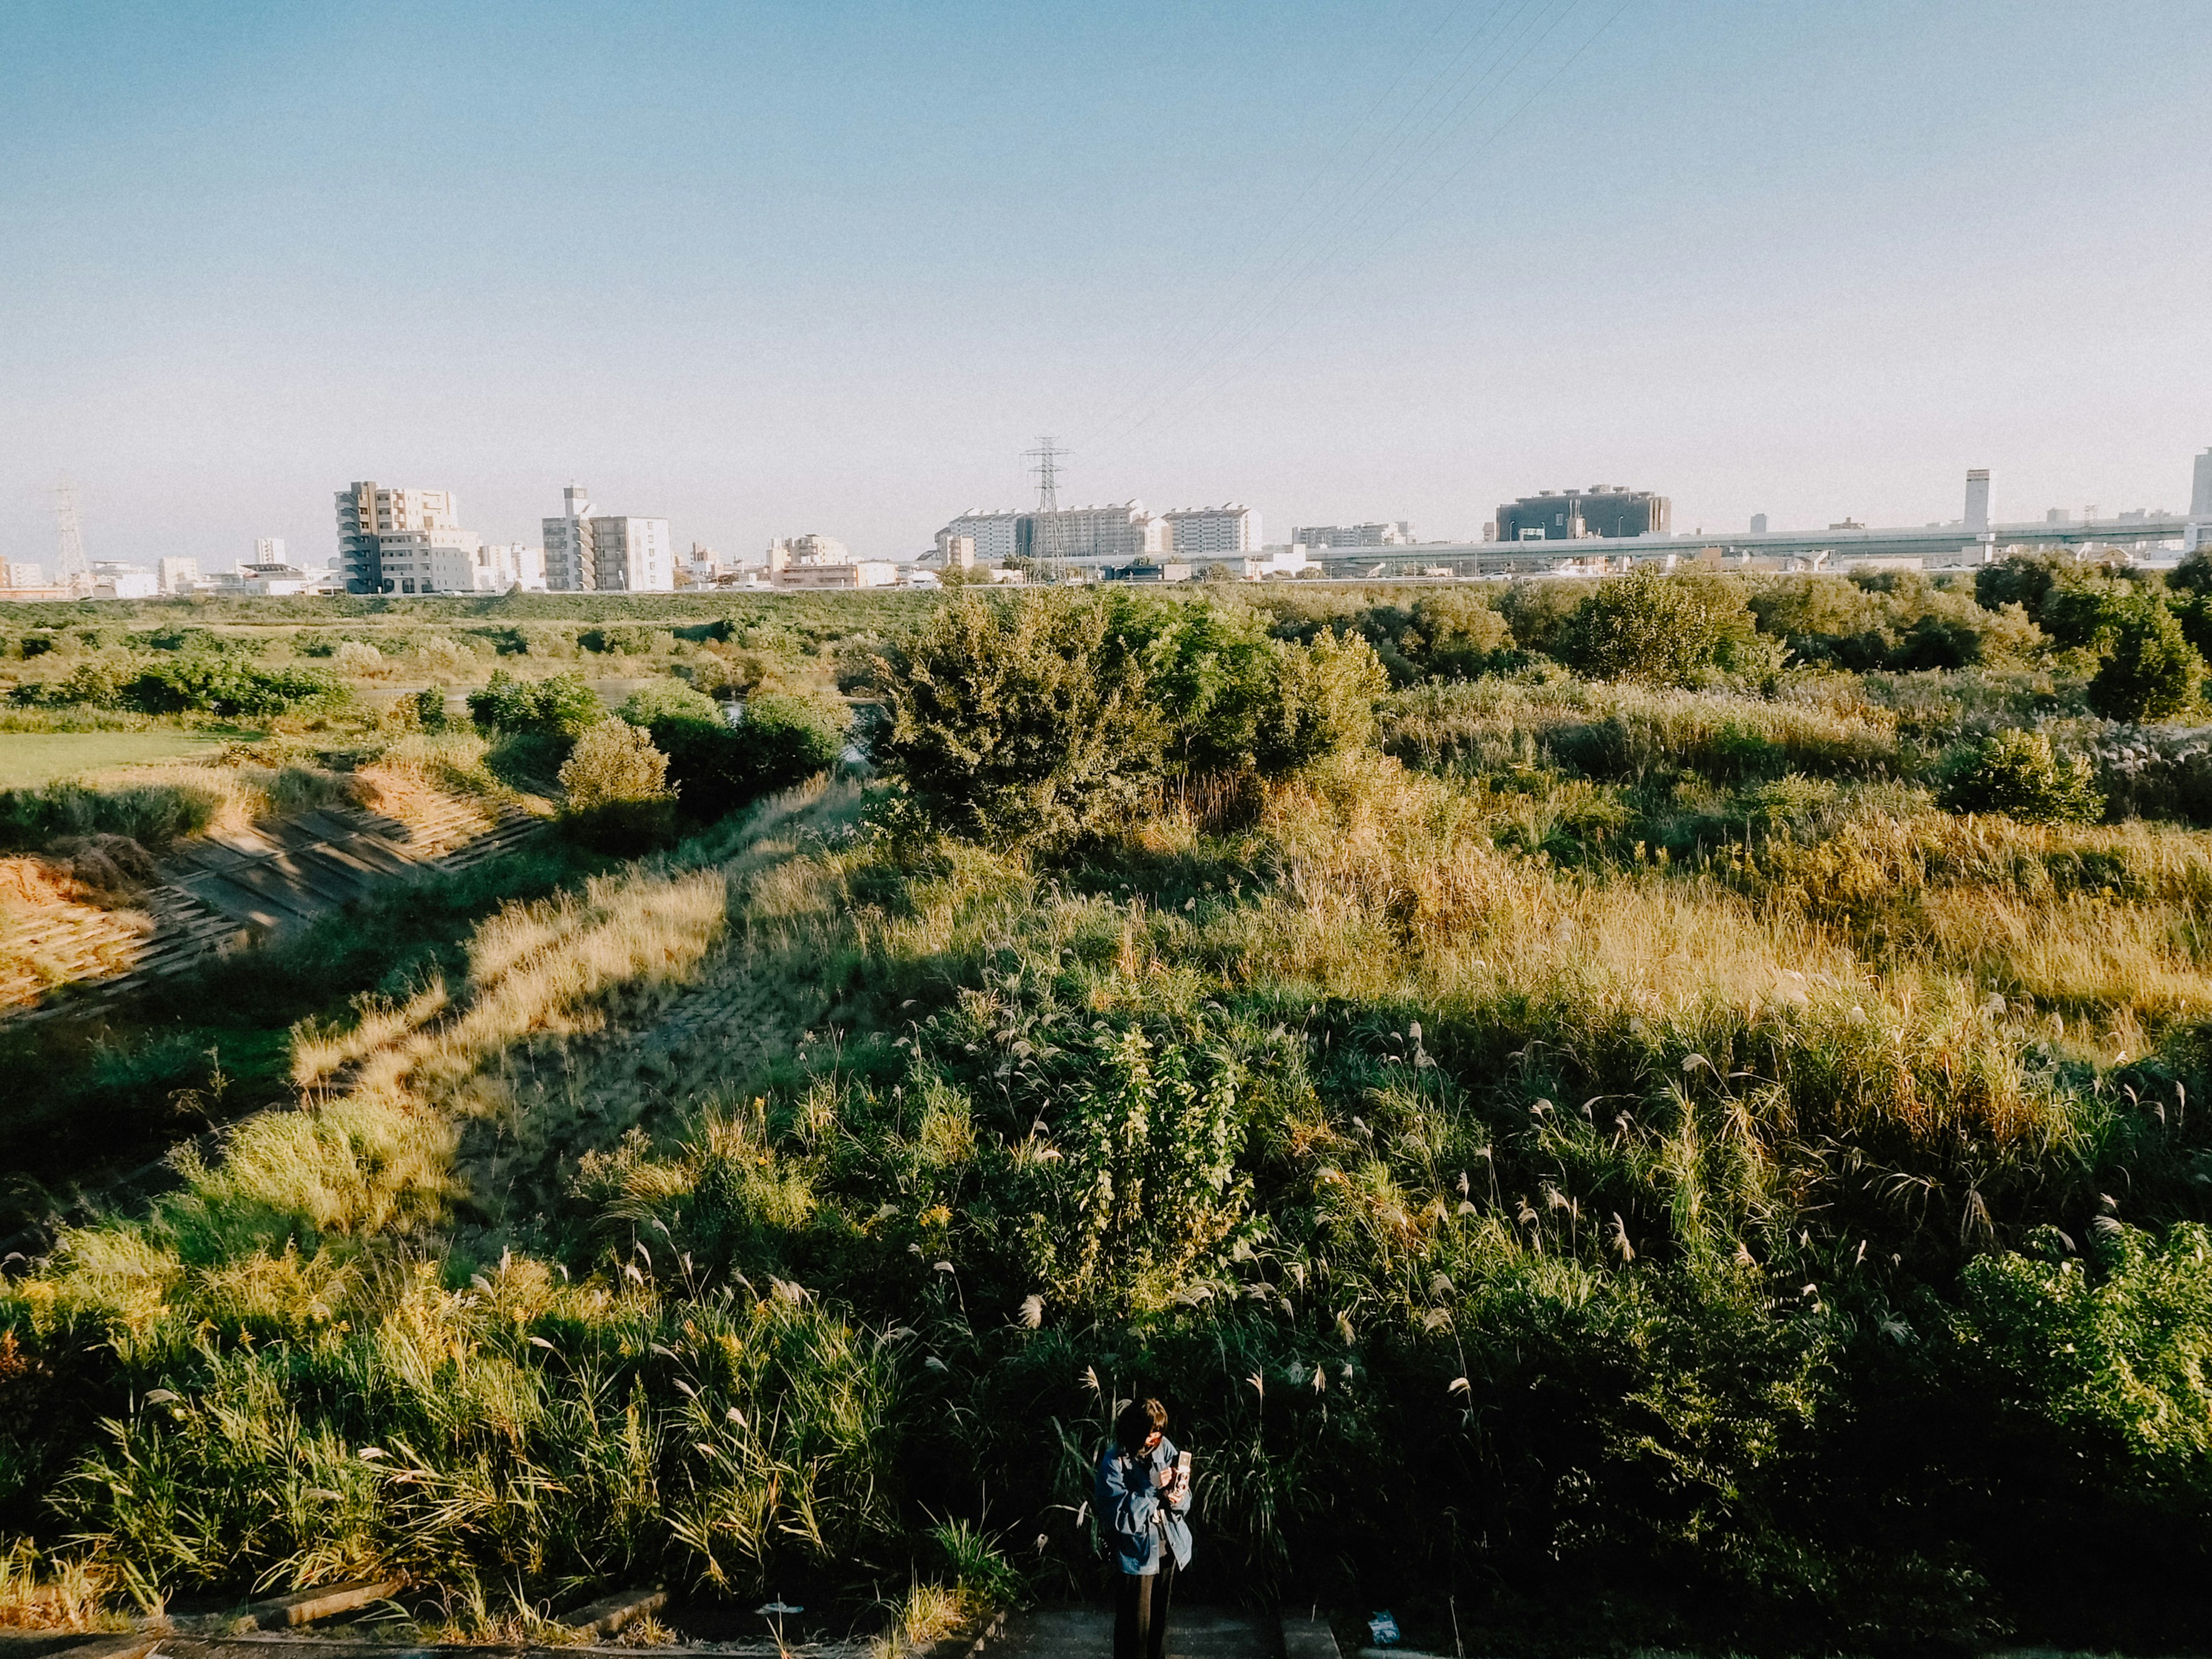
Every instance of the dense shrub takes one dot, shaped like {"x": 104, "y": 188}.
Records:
{"x": 618, "y": 799}
{"x": 2084, "y": 613}
{"x": 1447, "y": 635}
{"x": 2150, "y": 672}
{"x": 2017, "y": 773}
{"x": 195, "y": 683}
{"x": 1542, "y": 614}
{"x": 1027, "y": 720}
{"x": 1896, "y": 621}
{"x": 1653, "y": 628}
{"x": 629, "y": 640}
{"x": 561, "y": 706}
{"x": 2024, "y": 579}
{"x": 782, "y": 739}
{"x": 1044, "y": 719}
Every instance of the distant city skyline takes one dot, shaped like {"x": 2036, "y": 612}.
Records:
{"x": 1349, "y": 264}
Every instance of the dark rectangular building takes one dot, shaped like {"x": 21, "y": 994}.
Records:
{"x": 1567, "y": 515}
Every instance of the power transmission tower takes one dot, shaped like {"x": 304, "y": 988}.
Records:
{"x": 73, "y": 571}
{"x": 1046, "y": 458}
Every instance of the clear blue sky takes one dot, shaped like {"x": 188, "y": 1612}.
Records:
{"x": 762, "y": 269}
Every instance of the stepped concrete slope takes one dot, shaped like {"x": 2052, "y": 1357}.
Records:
{"x": 237, "y": 887}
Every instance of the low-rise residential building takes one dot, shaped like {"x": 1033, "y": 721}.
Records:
{"x": 272, "y": 579}
{"x": 1393, "y": 532}
{"x": 429, "y": 560}
{"x": 851, "y": 573}
{"x": 111, "y": 579}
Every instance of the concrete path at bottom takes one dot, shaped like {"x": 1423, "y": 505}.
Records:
{"x": 1086, "y": 1631}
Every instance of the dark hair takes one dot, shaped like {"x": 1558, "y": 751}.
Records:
{"x": 1136, "y": 1423}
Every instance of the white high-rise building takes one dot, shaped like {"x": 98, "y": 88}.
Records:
{"x": 633, "y": 555}
{"x": 270, "y": 550}
{"x": 367, "y": 513}
{"x": 1978, "y": 500}
{"x": 2200, "y": 489}
{"x": 996, "y": 535}
{"x": 568, "y": 543}
{"x": 586, "y": 554}
{"x": 1202, "y": 530}
{"x": 177, "y": 575}
{"x": 1122, "y": 531}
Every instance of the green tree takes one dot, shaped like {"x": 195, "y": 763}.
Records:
{"x": 563, "y": 706}
{"x": 1456, "y": 636}
{"x": 1028, "y": 721}
{"x": 2151, "y": 671}
{"x": 1654, "y": 627}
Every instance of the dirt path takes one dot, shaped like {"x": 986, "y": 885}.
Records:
{"x": 649, "y": 1066}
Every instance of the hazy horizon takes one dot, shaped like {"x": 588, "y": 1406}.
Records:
{"x": 767, "y": 269}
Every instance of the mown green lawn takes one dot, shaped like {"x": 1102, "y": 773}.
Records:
{"x": 29, "y": 759}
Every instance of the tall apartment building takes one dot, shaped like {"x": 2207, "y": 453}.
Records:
{"x": 367, "y": 513}
{"x": 2200, "y": 489}
{"x": 1201, "y": 530}
{"x": 1978, "y": 500}
{"x": 1395, "y": 532}
{"x": 589, "y": 553}
{"x": 993, "y": 536}
{"x": 1556, "y": 515}
{"x": 1123, "y": 531}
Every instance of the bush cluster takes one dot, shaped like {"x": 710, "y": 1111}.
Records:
{"x": 1039, "y": 720}
{"x": 561, "y": 706}
{"x": 2018, "y": 773}
{"x": 780, "y": 739}
{"x": 194, "y": 684}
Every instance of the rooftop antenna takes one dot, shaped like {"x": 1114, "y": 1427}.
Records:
{"x": 1046, "y": 458}
{"x": 73, "y": 571}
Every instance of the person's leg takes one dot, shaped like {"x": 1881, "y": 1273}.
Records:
{"x": 1128, "y": 1615}
{"x": 1155, "y": 1632}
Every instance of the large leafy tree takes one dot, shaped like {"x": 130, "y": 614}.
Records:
{"x": 2151, "y": 673}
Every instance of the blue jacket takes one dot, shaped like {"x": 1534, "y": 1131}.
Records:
{"x": 1135, "y": 1512}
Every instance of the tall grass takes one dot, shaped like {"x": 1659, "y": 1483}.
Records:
{"x": 1638, "y": 1173}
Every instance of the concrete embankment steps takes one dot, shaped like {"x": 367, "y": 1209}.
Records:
{"x": 228, "y": 890}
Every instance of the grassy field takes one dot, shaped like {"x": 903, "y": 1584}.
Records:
{"x": 1670, "y": 1115}
{"x": 29, "y": 759}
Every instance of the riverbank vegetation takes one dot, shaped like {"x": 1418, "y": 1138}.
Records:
{"x": 1598, "y": 1146}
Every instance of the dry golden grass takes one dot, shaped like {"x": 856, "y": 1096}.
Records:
{"x": 52, "y": 1594}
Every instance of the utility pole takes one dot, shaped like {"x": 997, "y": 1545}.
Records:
{"x": 73, "y": 571}
{"x": 1046, "y": 458}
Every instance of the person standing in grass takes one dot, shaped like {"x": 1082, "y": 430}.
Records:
{"x": 1144, "y": 1497}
